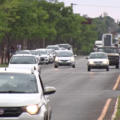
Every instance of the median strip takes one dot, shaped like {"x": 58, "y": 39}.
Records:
{"x": 104, "y": 111}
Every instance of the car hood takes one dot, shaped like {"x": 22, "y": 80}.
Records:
{"x": 44, "y": 56}
{"x": 97, "y": 59}
{"x": 14, "y": 99}
{"x": 24, "y": 66}
{"x": 112, "y": 54}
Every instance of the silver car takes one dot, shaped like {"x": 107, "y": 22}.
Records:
{"x": 98, "y": 60}
{"x": 64, "y": 57}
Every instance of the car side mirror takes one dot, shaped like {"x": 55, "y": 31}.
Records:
{"x": 86, "y": 57}
{"x": 49, "y": 90}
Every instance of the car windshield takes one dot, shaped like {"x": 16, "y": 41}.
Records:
{"x": 18, "y": 83}
{"x": 23, "y": 60}
{"x": 34, "y": 53}
{"x": 63, "y": 46}
{"x": 98, "y": 44}
{"x": 108, "y": 50}
{"x": 54, "y": 48}
{"x": 22, "y": 52}
{"x": 41, "y": 52}
{"x": 64, "y": 54}
{"x": 98, "y": 56}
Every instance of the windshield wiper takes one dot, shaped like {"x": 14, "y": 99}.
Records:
{"x": 11, "y": 91}
{"x": 14, "y": 63}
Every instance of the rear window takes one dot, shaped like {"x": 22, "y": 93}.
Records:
{"x": 23, "y": 60}
{"x": 18, "y": 83}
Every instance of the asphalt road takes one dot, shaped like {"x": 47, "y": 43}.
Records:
{"x": 80, "y": 95}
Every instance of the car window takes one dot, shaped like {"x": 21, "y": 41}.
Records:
{"x": 54, "y": 48}
{"x": 98, "y": 56}
{"x": 34, "y": 53}
{"x": 23, "y": 60}
{"x": 64, "y": 54}
{"x": 18, "y": 83}
{"x": 108, "y": 50}
{"x": 41, "y": 52}
{"x": 22, "y": 53}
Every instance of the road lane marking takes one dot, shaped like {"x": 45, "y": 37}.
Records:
{"x": 116, "y": 84}
{"x": 104, "y": 111}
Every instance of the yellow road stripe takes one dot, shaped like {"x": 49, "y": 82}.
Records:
{"x": 104, "y": 111}
{"x": 116, "y": 84}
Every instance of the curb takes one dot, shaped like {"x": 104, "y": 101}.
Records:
{"x": 115, "y": 110}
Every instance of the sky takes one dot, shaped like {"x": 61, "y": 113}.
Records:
{"x": 96, "y": 11}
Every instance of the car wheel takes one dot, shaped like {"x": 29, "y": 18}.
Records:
{"x": 73, "y": 66}
{"x": 89, "y": 69}
{"x": 107, "y": 69}
{"x": 117, "y": 66}
{"x": 56, "y": 66}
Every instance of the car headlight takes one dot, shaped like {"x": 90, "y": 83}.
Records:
{"x": 56, "y": 59}
{"x": 72, "y": 59}
{"x": 32, "y": 109}
{"x": 105, "y": 62}
{"x": 91, "y": 62}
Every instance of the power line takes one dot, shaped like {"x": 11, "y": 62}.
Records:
{"x": 98, "y": 6}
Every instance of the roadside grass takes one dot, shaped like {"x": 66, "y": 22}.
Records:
{"x": 118, "y": 111}
{"x": 3, "y": 65}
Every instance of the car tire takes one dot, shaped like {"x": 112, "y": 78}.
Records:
{"x": 107, "y": 69}
{"x": 117, "y": 66}
{"x": 73, "y": 66}
{"x": 56, "y": 66}
{"x": 89, "y": 69}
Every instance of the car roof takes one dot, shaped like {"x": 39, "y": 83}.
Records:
{"x": 98, "y": 53}
{"x": 24, "y": 55}
{"x": 65, "y": 51}
{"x": 17, "y": 70}
{"x": 41, "y": 49}
{"x": 107, "y": 47}
{"x": 52, "y": 46}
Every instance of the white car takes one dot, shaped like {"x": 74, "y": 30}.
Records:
{"x": 54, "y": 47}
{"x": 64, "y": 57}
{"x": 23, "y": 96}
{"x": 98, "y": 60}
{"x": 36, "y": 53}
{"x": 51, "y": 54}
{"x": 44, "y": 56}
{"x": 24, "y": 61}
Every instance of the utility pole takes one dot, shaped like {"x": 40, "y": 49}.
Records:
{"x": 72, "y": 5}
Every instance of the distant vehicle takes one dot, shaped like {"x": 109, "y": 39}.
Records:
{"x": 24, "y": 61}
{"x": 23, "y": 52}
{"x": 64, "y": 57}
{"x": 112, "y": 53}
{"x": 107, "y": 40}
{"x": 23, "y": 95}
{"x": 54, "y": 47}
{"x": 66, "y": 46}
{"x": 98, "y": 60}
{"x": 44, "y": 56}
{"x": 97, "y": 44}
{"x": 51, "y": 54}
{"x": 36, "y": 53}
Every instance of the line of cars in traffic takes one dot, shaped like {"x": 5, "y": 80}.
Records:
{"x": 23, "y": 94}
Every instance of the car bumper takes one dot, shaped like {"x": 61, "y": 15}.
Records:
{"x": 64, "y": 63}
{"x": 101, "y": 66}
{"x": 113, "y": 62}
{"x": 25, "y": 116}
